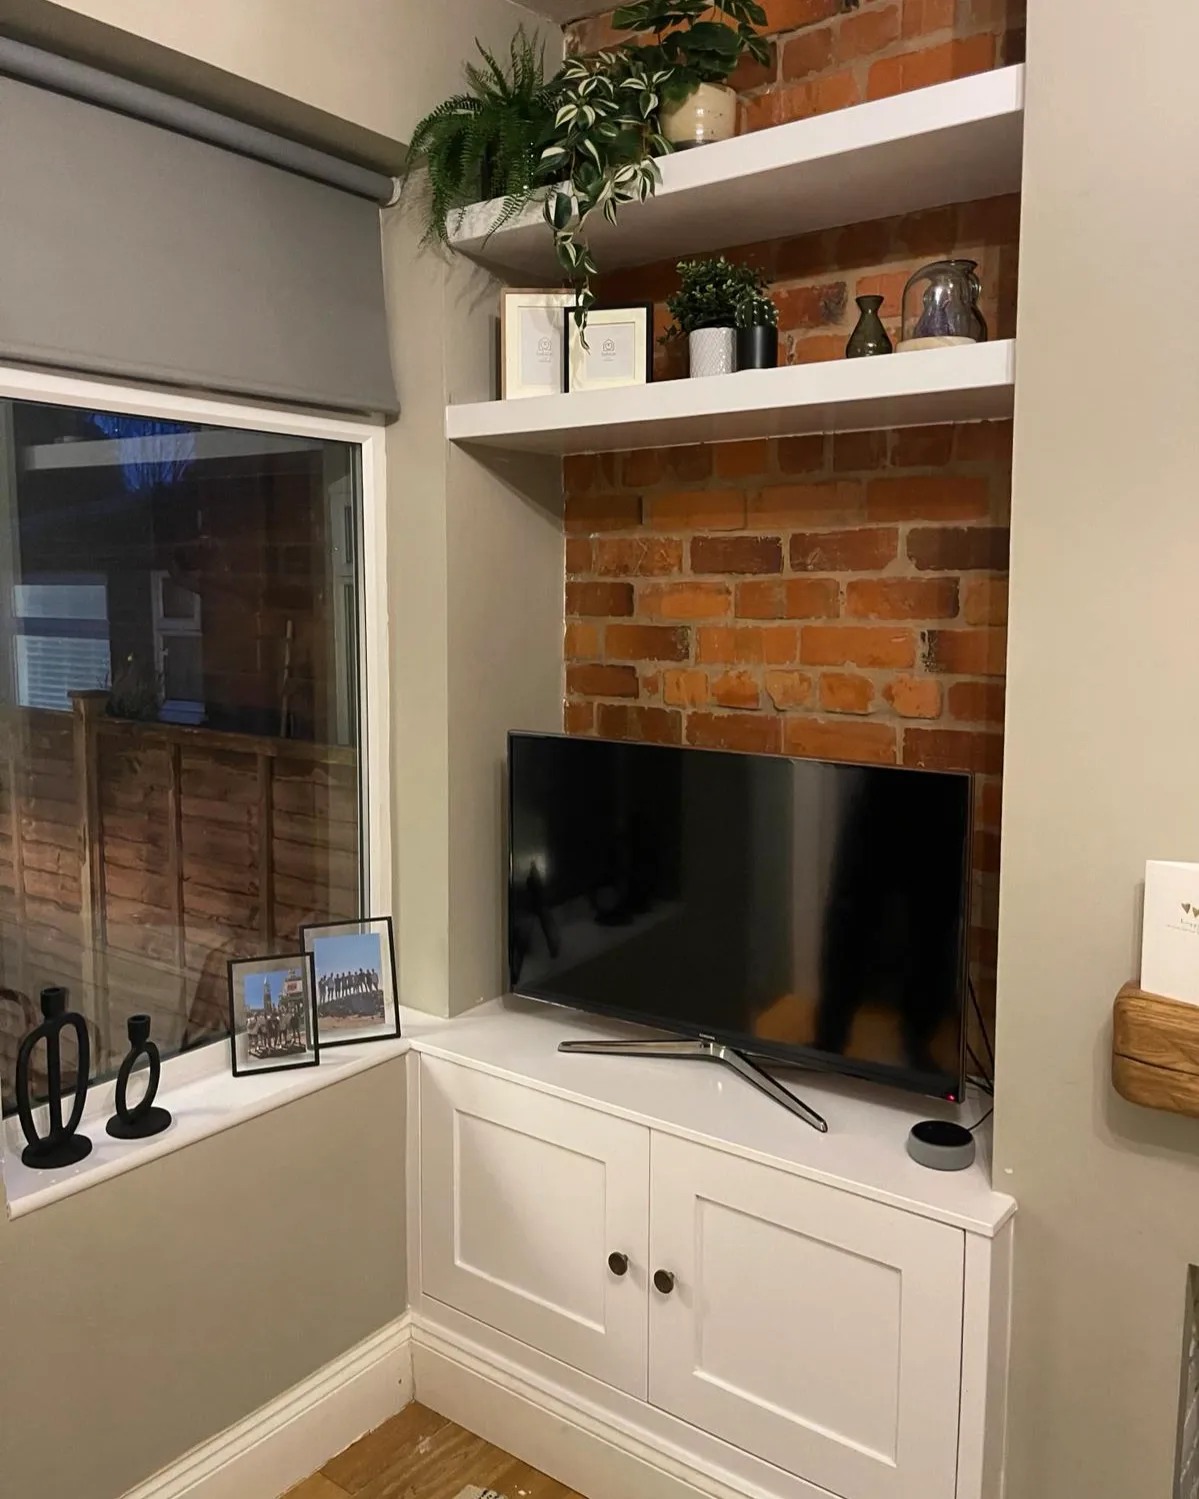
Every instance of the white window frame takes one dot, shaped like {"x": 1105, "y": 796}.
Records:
{"x": 374, "y": 706}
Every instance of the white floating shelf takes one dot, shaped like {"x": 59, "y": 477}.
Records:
{"x": 967, "y": 384}
{"x": 950, "y": 143}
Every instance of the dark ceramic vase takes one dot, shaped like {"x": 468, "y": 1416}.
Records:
{"x": 62, "y": 1144}
{"x": 869, "y": 337}
{"x": 757, "y": 348}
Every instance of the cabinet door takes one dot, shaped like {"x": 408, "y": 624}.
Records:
{"x": 818, "y": 1330}
{"x": 523, "y": 1198}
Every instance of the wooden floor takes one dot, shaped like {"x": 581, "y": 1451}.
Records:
{"x": 420, "y": 1455}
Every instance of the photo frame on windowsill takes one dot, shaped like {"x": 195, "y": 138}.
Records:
{"x": 532, "y": 324}
{"x": 355, "y": 980}
{"x": 619, "y": 348}
{"x": 272, "y": 1014}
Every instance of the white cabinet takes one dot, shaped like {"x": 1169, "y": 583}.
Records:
{"x": 524, "y": 1198}
{"x": 819, "y": 1330}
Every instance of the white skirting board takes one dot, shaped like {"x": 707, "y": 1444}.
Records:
{"x": 291, "y": 1437}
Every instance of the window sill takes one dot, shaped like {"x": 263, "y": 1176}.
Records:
{"x": 204, "y": 1099}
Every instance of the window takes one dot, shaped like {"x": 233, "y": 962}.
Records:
{"x": 182, "y": 774}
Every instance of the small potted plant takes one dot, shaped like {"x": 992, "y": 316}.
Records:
{"x": 757, "y": 331}
{"x": 705, "y": 310}
{"x": 699, "y": 45}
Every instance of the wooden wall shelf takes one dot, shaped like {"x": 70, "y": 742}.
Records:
{"x": 1155, "y": 1051}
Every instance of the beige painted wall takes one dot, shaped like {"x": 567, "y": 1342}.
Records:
{"x": 350, "y": 74}
{"x": 1102, "y": 738}
{"x": 146, "y": 1315}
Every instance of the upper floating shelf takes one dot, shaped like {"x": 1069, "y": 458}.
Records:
{"x": 950, "y": 143}
{"x": 967, "y": 384}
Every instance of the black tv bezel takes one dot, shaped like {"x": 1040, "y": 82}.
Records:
{"x": 808, "y": 1058}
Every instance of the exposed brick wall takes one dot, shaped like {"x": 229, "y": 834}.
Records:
{"x": 840, "y": 597}
{"x": 828, "y": 54}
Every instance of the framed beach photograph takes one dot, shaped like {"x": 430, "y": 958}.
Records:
{"x": 619, "y": 348}
{"x": 531, "y": 349}
{"x": 272, "y": 1021}
{"x": 355, "y": 980}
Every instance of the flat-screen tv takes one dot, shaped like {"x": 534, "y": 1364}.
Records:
{"x": 794, "y": 909}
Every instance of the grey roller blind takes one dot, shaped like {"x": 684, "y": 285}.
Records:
{"x": 131, "y": 251}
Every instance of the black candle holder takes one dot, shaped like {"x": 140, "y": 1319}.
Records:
{"x": 143, "y": 1119}
{"x": 62, "y": 1145}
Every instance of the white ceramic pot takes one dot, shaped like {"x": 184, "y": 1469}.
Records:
{"x": 709, "y": 114}
{"x": 713, "y": 351}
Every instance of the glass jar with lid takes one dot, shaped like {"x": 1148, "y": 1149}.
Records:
{"x": 940, "y": 307}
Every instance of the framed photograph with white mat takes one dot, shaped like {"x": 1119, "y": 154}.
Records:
{"x": 532, "y": 325}
{"x": 617, "y": 348}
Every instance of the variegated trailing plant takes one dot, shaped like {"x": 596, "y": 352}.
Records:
{"x": 602, "y": 152}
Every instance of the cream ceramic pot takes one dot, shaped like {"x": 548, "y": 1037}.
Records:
{"x": 709, "y": 114}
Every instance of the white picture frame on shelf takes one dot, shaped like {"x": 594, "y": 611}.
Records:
{"x": 616, "y": 350}
{"x": 532, "y": 356}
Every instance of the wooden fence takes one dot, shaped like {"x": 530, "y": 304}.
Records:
{"x": 137, "y": 858}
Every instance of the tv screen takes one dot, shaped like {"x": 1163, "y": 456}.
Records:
{"x": 796, "y": 909}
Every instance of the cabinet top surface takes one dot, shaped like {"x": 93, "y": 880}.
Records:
{"x": 864, "y": 1151}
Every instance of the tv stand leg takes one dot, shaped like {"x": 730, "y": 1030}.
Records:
{"x": 704, "y": 1051}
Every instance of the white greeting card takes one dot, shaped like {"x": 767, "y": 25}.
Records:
{"x": 1170, "y": 943}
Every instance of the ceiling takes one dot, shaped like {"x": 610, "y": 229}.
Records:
{"x": 567, "y": 10}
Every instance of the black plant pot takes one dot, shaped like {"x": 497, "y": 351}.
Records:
{"x": 757, "y": 348}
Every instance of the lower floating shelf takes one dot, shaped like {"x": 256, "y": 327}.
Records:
{"x": 965, "y": 384}
{"x": 1155, "y": 1051}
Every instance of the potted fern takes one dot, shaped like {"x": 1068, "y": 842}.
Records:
{"x": 486, "y": 142}
{"x": 699, "y": 44}
{"x": 705, "y": 310}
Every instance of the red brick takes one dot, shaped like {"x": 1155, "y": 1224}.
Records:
{"x": 684, "y": 601}
{"x": 578, "y": 718}
{"x": 940, "y": 497}
{"x": 746, "y": 645}
{"x": 914, "y": 697}
{"x": 923, "y": 16}
{"x": 926, "y": 232}
{"x": 646, "y": 643}
{"x": 641, "y": 468}
{"x": 801, "y": 455}
{"x": 683, "y": 687}
{"x": 922, "y": 447}
{"x": 985, "y": 852}
{"x": 651, "y": 685}
{"x": 604, "y": 512}
{"x": 758, "y": 733}
{"x": 855, "y": 451}
{"x": 689, "y": 463}
{"x": 864, "y": 243}
{"x": 809, "y": 52}
{"x": 953, "y": 749}
{"x": 750, "y": 73}
{"x": 788, "y": 689}
{"x": 800, "y": 101}
{"x": 984, "y": 601}
{"x": 959, "y": 549}
{"x": 578, "y": 554}
{"x": 843, "y": 692}
{"x": 811, "y": 306}
{"x": 868, "y": 32}
{"x": 790, "y": 15}
{"x": 991, "y": 221}
{"x": 977, "y": 702}
{"x": 736, "y": 554}
{"x": 636, "y": 556}
{"x": 600, "y": 599}
{"x": 582, "y": 642}
{"x": 971, "y": 653}
{"x": 602, "y": 681}
{"x": 861, "y": 743}
{"x": 857, "y": 645}
{"x": 788, "y": 598}
{"x": 742, "y": 460}
{"x": 633, "y": 721}
{"x": 584, "y": 471}
{"x": 868, "y": 549}
{"x": 988, "y": 803}
{"x": 816, "y": 348}
{"x": 911, "y": 70}
{"x": 821, "y": 502}
{"x": 696, "y": 510}
{"x": 984, "y": 442}
{"x": 736, "y": 689}
{"x": 886, "y": 284}
{"x": 902, "y": 598}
